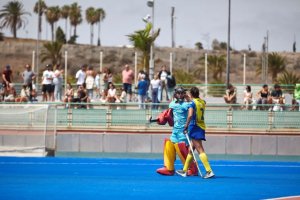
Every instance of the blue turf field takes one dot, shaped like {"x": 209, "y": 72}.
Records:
{"x": 102, "y": 178}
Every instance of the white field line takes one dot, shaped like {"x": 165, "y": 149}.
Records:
{"x": 142, "y": 164}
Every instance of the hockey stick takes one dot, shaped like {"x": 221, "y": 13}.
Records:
{"x": 191, "y": 148}
{"x": 152, "y": 120}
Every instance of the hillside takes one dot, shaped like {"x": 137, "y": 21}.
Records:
{"x": 18, "y": 52}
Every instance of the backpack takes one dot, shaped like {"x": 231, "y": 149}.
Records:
{"x": 171, "y": 82}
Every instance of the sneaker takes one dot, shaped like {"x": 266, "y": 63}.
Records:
{"x": 181, "y": 173}
{"x": 209, "y": 175}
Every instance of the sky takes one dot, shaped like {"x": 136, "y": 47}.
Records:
{"x": 195, "y": 21}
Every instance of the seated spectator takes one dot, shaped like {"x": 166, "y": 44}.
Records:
{"x": 297, "y": 95}
{"x": 69, "y": 95}
{"x": 122, "y": 98}
{"x": 247, "y": 97}
{"x": 230, "y": 96}
{"x": 82, "y": 97}
{"x": 24, "y": 94}
{"x": 276, "y": 98}
{"x": 263, "y": 96}
{"x": 295, "y": 105}
{"x": 111, "y": 93}
{"x": 10, "y": 93}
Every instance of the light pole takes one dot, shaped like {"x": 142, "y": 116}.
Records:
{"x": 228, "y": 47}
{"x": 151, "y": 4}
{"x": 172, "y": 26}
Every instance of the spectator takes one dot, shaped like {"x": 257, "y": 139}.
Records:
{"x": 142, "y": 92}
{"x": 24, "y": 94}
{"x": 81, "y": 75}
{"x": 109, "y": 76}
{"x": 248, "y": 97}
{"x": 263, "y": 96}
{"x": 297, "y": 95}
{"x": 171, "y": 83}
{"x": 10, "y": 93}
{"x": 58, "y": 82}
{"x": 155, "y": 83}
{"x": 163, "y": 78}
{"x": 90, "y": 81}
{"x": 47, "y": 83}
{"x": 276, "y": 98}
{"x": 111, "y": 94}
{"x": 97, "y": 84}
{"x": 28, "y": 77}
{"x": 69, "y": 95}
{"x": 82, "y": 97}
{"x": 230, "y": 96}
{"x": 7, "y": 76}
{"x": 127, "y": 79}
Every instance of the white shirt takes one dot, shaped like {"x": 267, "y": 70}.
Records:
{"x": 155, "y": 83}
{"x": 47, "y": 77}
{"x": 80, "y": 76}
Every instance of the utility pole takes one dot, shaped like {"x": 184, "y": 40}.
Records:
{"x": 172, "y": 26}
{"x": 228, "y": 46}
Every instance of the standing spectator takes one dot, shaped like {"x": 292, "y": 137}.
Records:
{"x": 97, "y": 84}
{"x": 80, "y": 75}
{"x": 142, "y": 92}
{"x": 127, "y": 79}
{"x": 7, "y": 76}
{"x": 47, "y": 83}
{"x": 247, "y": 96}
{"x": 90, "y": 81}
{"x": 230, "y": 96}
{"x": 297, "y": 94}
{"x": 155, "y": 83}
{"x": 28, "y": 77}
{"x": 109, "y": 76}
{"x": 58, "y": 82}
{"x": 171, "y": 83}
{"x": 263, "y": 96}
{"x": 163, "y": 78}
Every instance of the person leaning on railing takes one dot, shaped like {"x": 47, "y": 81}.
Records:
{"x": 230, "y": 96}
{"x": 263, "y": 96}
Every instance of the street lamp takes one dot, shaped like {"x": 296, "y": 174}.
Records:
{"x": 150, "y": 4}
{"x": 228, "y": 46}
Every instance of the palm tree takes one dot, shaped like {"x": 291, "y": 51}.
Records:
{"x": 217, "y": 65}
{"x": 276, "y": 65}
{"x": 11, "y": 16}
{"x": 64, "y": 13}
{"x": 100, "y": 17}
{"x": 52, "y": 16}
{"x": 288, "y": 78}
{"x": 39, "y": 8}
{"x": 91, "y": 18}
{"x": 52, "y": 51}
{"x": 183, "y": 77}
{"x": 75, "y": 16}
{"x": 142, "y": 40}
